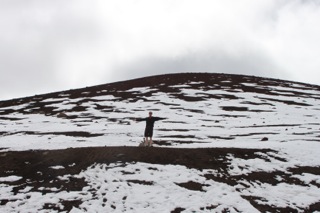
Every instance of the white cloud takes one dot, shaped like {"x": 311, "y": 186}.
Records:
{"x": 78, "y": 43}
{"x": 292, "y": 40}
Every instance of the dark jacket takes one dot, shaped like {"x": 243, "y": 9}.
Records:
{"x": 150, "y": 121}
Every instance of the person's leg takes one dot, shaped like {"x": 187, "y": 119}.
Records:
{"x": 151, "y": 134}
{"x": 146, "y": 135}
{"x": 146, "y": 141}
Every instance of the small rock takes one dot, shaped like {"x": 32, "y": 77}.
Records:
{"x": 265, "y": 139}
{"x": 62, "y": 115}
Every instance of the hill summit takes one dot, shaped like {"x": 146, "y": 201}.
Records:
{"x": 229, "y": 143}
{"x": 201, "y": 108}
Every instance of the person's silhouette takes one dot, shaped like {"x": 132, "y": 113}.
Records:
{"x": 148, "y": 132}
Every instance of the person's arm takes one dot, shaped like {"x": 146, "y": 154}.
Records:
{"x": 140, "y": 119}
{"x": 158, "y": 118}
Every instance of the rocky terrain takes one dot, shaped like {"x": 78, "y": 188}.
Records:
{"x": 229, "y": 143}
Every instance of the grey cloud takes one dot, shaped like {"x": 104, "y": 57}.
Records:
{"x": 56, "y": 45}
{"x": 248, "y": 63}
{"x": 34, "y": 37}
{"x": 25, "y": 67}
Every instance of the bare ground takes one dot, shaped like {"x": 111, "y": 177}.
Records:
{"x": 34, "y": 167}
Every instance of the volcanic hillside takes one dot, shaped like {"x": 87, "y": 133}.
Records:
{"x": 229, "y": 143}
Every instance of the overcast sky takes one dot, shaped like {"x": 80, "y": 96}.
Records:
{"x": 54, "y": 45}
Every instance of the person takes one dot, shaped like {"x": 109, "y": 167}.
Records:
{"x": 148, "y": 132}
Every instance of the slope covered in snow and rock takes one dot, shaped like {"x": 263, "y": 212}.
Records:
{"x": 229, "y": 143}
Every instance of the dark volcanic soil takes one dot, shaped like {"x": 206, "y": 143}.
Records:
{"x": 34, "y": 167}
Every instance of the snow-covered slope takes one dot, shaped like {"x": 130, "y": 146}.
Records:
{"x": 280, "y": 118}
{"x": 201, "y": 111}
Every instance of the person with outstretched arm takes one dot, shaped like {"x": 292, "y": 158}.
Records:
{"x": 148, "y": 132}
